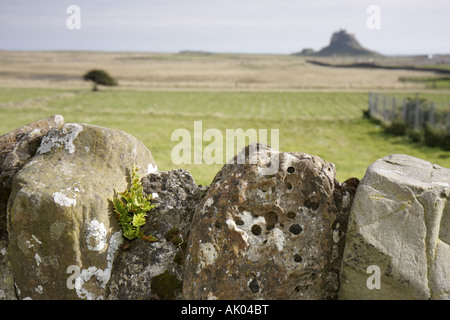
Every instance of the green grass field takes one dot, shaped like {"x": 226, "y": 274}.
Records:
{"x": 327, "y": 124}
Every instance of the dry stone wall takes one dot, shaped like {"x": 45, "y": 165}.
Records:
{"x": 295, "y": 233}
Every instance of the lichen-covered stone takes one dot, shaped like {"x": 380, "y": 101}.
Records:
{"x": 16, "y": 148}
{"x": 155, "y": 270}
{"x": 267, "y": 236}
{"x": 62, "y": 230}
{"x": 399, "y": 225}
{"x": 7, "y": 291}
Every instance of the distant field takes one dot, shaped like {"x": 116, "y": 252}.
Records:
{"x": 327, "y": 124}
{"x": 224, "y": 72}
{"x": 317, "y": 110}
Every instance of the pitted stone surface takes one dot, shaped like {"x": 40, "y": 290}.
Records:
{"x": 259, "y": 236}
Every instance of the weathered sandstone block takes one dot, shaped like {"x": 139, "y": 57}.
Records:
{"x": 399, "y": 225}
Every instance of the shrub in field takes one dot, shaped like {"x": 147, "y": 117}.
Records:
{"x": 436, "y": 138}
{"x": 99, "y": 77}
{"x": 415, "y": 135}
{"x": 396, "y": 127}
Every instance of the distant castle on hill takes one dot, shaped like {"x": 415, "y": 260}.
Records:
{"x": 341, "y": 44}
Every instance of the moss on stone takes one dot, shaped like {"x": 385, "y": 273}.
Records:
{"x": 178, "y": 259}
{"x": 166, "y": 285}
{"x": 173, "y": 236}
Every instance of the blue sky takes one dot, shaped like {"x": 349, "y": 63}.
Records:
{"x": 237, "y": 26}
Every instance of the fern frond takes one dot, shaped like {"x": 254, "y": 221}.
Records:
{"x": 131, "y": 207}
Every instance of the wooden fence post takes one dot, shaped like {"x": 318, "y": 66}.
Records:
{"x": 394, "y": 107}
{"x": 375, "y": 103}
{"x": 448, "y": 122}
{"x": 404, "y": 111}
{"x": 417, "y": 115}
{"x": 371, "y": 104}
{"x": 431, "y": 115}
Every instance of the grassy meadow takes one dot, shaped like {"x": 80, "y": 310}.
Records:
{"x": 317, "y": 110}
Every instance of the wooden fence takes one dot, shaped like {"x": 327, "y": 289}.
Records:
{"x": 415, "y": 112}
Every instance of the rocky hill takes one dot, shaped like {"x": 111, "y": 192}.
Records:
{"x": 341, "y": 44}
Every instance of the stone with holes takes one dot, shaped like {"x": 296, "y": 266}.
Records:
{"x": 267, "y": 235}
{"x": 398, "y": 241}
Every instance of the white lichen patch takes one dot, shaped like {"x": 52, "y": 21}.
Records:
{"x": 61, "y": 138}
{"x": 336, "y": 234}
{"x": 211, "y": 296}
{"x": 207, "y": 204}
{"x": 261, "y": 194}
{"x": 270, "y": 163}
{"x": 85, "y": 276}
{"x": 207, "y": 255}
{"x": 102, "y": 276}
{"x": 39, "y": 289}
{"x": 345, "y": 200}
{"x": 253, "y": 241}
{"x": 152, "y": 168}
{"x": 96, "y": 236}
{"x": 232, "y": 225}
{"x": 64, "y": 201}
{"x": 38, "y": 259}
{"x": 276, "y": 238}
{"x": 114, "y": 243}
{"x": 35, "y": 239}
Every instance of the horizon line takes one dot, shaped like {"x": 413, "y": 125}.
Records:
{"x": 206, "y": 52}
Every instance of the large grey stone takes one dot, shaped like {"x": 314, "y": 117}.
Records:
{"x": 399, "y": 223}
{"x": 16, "y": 149}
{"x": 267, "y": 236}
{"x": 7, "y": 291}
{"x": 62, "y": 230}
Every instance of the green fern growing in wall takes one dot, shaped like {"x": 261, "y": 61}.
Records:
{"x": 131, "y": 208}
